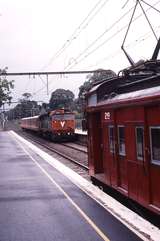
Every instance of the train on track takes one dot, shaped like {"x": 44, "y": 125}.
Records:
{"x": 123, "y": 122}
{"x": 58, "y": 125}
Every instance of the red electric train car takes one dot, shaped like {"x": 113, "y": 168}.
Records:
{"x": 123, "y": 120}
{"x": 57, "y": 125}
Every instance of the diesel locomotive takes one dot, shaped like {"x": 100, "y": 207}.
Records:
{"x": 57, "y": 125}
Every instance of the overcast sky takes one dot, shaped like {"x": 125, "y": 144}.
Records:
{"x": 50, "y": 35}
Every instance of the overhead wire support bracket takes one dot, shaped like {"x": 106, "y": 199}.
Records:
{"x": 50, "y": 73}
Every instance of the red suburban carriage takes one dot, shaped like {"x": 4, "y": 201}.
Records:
{"x": 123, "y": 119}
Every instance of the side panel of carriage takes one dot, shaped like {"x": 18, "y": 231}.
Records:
{"x": 30, "y": 123}
{"x": 124, "y": 151}
{"x": 96, "y": 167}
{"x": 109, "y": 157}
{"x": 120, "y": 148}
{"x": 153, "y": 123}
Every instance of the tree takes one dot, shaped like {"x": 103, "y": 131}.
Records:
{"x": 97, "y": 77}
{"x": 101, "y": 75}
{"x": 5, "y": 88}
{"x": 61, "y": 98}
{"x": 26, "y": 96}
{"x": 26, "y": 107}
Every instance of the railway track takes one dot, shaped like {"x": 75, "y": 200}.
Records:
{"x": 58, "y": 148}
{"x": 74, "y": 146}
{"x": 63, "y": 155}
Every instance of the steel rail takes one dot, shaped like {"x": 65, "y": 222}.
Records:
{"x": 74, "y": 148}
{"x": 59, "y": 153}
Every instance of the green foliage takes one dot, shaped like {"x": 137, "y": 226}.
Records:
{"x": 95, "y": 78}
{"x": 91, "y": 80}
{"x": 61, "y": 98}
{"x": 101, "y": 75}
{"x": 5, "y": 88}
{"x": 26, "y": 107}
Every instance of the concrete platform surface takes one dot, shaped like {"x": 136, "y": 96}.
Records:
{"x": 41, "y": 199}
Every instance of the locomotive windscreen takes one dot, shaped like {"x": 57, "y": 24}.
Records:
{"x": 63, "y": 117}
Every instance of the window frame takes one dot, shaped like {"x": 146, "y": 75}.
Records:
{"x": 119, "y": 152}
{"x": 139, "y": 158}
{"x": 113, "y": 140}
{"x": 157, "y": 162}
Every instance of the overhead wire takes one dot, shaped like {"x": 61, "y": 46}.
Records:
{"x": 39, "y": 90}
{"x": 42, "y": 88}
{"x": 35, "y": 92}
{"x": 130, "y": 22}
{"x": 68, "y": 42}
{"x": 125, "y": 4}
{"x": 101, "y": 35}
{"x": 103, "y": 43}
{"x": 111, "y": 36}
{"x": 118, "y": 51}
{"x": 150, "y": 6}
{"x": 77, "y": 31}
{"x": 42, "y": 80}
{"x": 148, "y": 20}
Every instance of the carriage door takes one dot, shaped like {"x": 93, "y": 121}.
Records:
{"x": 122, "y": 160}
{"x": 109, "y": 150}
{"x": 142, "y": 181}
{"x": 110, "y": 163}
{"x": 96, "y": 147}
{"x": 153, "y": 119}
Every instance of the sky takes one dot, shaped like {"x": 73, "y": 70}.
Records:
{"x": 50, "y": 35}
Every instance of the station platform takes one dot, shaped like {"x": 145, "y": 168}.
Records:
{"x": 80, "y": 132}
{"x": 81, "y": 136}
{"x": 41, "y": 199}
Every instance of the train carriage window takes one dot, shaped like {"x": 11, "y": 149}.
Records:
{"x": 111, "y": 139}
{"x": 140, "y": 142}
{"x": 121, "y": 140}
{"x": 155, "y": 144}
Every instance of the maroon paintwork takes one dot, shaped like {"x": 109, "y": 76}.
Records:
{"x": 137, "y": 179}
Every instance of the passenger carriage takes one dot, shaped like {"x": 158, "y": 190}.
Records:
{"x": 123, "y": 119}
{"x": 30, "y": 123}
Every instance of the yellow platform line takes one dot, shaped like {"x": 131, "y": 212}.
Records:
{"x": 83, "y": 214}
